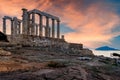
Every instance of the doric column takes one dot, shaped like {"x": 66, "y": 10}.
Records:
{"x": 19, "y": 27}
{"x": 40, "y": 26}
{"x": 58, "y": 29}
{"x": 62, "y": 37}
{"x": 47, "y": 27}
{"x": 29, "y": 25}
{"x": 33, "y": 23}
{"x": 4, "y": 25}
{"x": 15, "y": 25}
{"x": 49, "y": 32}
{"x": 25, "y": 21}
{"x": 53, "y": 28}
{"x": 36, "y": 30}
{"x": 12, "y": 27}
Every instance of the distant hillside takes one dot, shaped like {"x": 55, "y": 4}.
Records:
{"x": 105, "y": 48}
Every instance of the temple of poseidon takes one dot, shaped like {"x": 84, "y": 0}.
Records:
{"x": 31, "y": 32}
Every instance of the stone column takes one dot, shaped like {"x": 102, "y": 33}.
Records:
{"x": 33, "y": 24}
{"x": 29, "y": 26}
{"x": 19, "y": 27}
{"x": 40, "y": 26}
{"x": 58, "y": 29}
{"x": 12, "y": 27}
{"x": 15, "y": 25}
{"x": 25, "y": 21}
{"x": 62, "y": 37}
{"x": 53, "y": 28}
{"x": 4, "y": 25}
{"x": 36, "y": 30}
{"x": 47, "y": 27}
{"x": 49, "y": 32}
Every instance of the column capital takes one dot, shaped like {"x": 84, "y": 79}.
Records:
{"x": 12, "y": 20}
{"x": 3, "y": 18}
{"x": 52, "y": 19}
{"x": 47, "y": 17}
{"x": 40, "y": 15}
{"x": 24, "y": 9}
{"x": 58, "y": 20}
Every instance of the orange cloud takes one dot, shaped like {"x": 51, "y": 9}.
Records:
{"x": 93, "y": 28}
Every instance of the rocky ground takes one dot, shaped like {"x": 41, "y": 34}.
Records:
{"x": 35, "y": 64}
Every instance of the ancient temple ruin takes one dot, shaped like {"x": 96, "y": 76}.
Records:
{"x": 27, "y": 30}
{"x": 44, "y": 32}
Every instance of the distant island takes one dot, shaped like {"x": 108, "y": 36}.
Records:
{"x": 105, "y": 48}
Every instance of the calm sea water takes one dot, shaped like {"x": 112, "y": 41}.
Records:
{"x": 104, "y": 53}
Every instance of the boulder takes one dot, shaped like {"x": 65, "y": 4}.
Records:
{"x": 87, "y": 52}
{"x": 4, "y": 53}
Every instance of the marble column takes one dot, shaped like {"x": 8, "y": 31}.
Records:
{"x": 47, "y": 27}
{"x": 58, "y": 29}
{"x": 62, "y": 37}
{"x": 4, "y": 25}
{"x": 49, "y": 32}
{"x": 33, "y": 24}
{"x": 19, "y": 28}
{"x": 53, "y": 28}
{"x": 25, "y": 21}
{"x": 36, "y": 30}
{"x": 40, "y": 26}
{"x": 15, "y": 25}
{"x": 12, "y": 27}
{"x": 29, "y": 25}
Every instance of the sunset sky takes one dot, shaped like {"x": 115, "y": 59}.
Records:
{"x": 91, "y": 22}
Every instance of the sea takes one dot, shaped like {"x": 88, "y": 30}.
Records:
{"x": 105, "y": 53}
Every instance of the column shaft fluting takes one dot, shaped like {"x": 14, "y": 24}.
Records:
{"x": 4, "y": 25}
{"x": 49, "y": 32}
{"x": 58, "y": 29}
{"x": 19, "y": 27}
{"x": 15, "y": 25}
{"x": 47, "y": 27}
{"x": 40, "y": 26}
{"x": 12, "y": 27}
{"x": 36, "y": 30}
{"x": 53, "y": 28}
{"x": 29, "y": 25}
{"x": 33, "y": 24}
{"x": 25, "y": 22}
